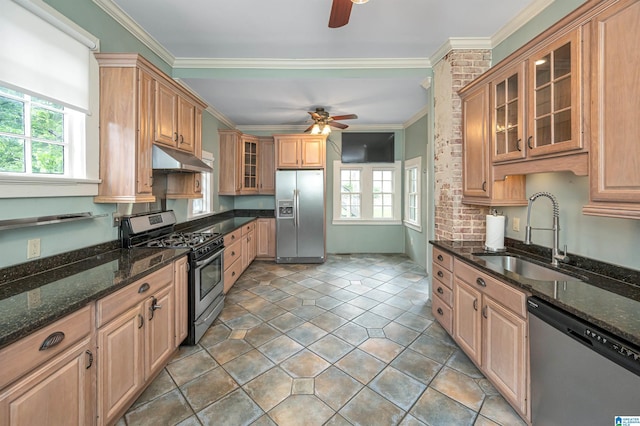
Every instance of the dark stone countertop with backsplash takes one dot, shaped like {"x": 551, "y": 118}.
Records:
{"x": 35, "y": 294}
{"x": 604, "y": 294}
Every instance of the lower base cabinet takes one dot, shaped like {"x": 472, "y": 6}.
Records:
{"x": 490, "y": 326}
{"x": 266, "y": 238}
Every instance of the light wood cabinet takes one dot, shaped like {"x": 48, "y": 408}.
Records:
{"x": 300, "y": 151}
{"x": 233, "y": 265}
{"x": 51, "y": 383}
{"x": 615, "y": 90}
{"x": 229, "y": 176}
{"x": 266, "y": 238}
{"x": 175, "y": 118}
{"x": 126, "y": 130}
{"x": 508, "y": 119}
{"x": 267, "y": 166}
{"x": 479, "y": 187}
{"x": 490, "y": 325}
{"x": 181, "y": 288}
{"x": 184, "y": 185}
{"x": 136, "y": 337}
{"x": 249, "y": 164}
{"x": 441, "y": 289}
{"x": 248, "y": 244}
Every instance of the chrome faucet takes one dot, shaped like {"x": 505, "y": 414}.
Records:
{"x": 555, "y": 254}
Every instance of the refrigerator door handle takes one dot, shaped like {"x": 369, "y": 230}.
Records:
{"x": 296, "y": 196}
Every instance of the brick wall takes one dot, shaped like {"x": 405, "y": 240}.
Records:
{"x": 453, "y": 220}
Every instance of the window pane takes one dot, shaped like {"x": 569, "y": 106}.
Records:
{"x": 387, "y": 186}
{"x": 47, "y": 124}
{"x": 11, "y": 116}
{"x": 47, "y": 158}
{"x": 11, "y": 154}
{"x": 47, "y": 103}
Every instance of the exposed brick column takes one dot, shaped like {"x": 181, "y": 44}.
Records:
{"x": 453, "y": 220}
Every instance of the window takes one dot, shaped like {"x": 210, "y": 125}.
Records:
{"x": 204, "y": 205}
{"x": 367, "y": 193}
{"x": 412, "y": 197}
{"x": 36, "y": 135}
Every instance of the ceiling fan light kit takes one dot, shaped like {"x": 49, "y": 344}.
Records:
{"x": 323, "y": 121}
{"x": 359, "y": 1}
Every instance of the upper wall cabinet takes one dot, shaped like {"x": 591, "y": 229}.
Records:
{"x": 267, "y": 165}
{"x": 175, "y": 117}
{"x": 246, "y": 164}
{"x": 300, "y": 151}
{"x": 129, "y": 122}
{"x": 615, "y": 126}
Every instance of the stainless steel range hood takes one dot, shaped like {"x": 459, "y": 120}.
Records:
{"x": 170, "y": 160}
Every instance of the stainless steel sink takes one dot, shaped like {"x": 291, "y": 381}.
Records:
{"x": 527, "y": 269}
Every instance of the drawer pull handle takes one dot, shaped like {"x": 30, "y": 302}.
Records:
{"x": 440, "y": 274}
{"x": 440, "y": 290}
{"x": 175, "y": 136}
{"x": 154, "y": 307}
{"x": 518, "y": 144}
{"x": 475, "y": 304}
{"x": 484, "y": 311}
{"x": 440, "y": 311}
{"x": 481, "y": 282}
{"x": 233, "y": 274}
{"x": 440, "y": 258}
{"x": 144, "y": 287}
{"x": 90, "y": 355}
{"x": 141, "y": 323}
{"x": 52, "y": 340}
{"x": 529, "y": 139}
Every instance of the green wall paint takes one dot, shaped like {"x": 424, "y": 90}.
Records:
{"x": 416, "y": 140}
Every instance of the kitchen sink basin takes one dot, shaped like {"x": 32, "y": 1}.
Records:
{"x": 526, "y": 269}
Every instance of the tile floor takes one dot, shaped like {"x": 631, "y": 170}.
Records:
{"x": 348, "y": 342}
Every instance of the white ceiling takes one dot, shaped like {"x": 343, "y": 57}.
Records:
{"x": 264, "y": 63}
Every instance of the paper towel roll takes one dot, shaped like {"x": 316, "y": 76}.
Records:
{"x": 494, "y": 239}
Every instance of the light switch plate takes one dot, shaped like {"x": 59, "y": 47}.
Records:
{"x": 33, "y": 248}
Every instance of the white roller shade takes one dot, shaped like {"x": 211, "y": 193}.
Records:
{"x": 40, "y": 58}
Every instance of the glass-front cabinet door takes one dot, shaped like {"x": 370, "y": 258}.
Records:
{"x": 249, "y": 164}
{"x": 508, "y": 121}
{"x": 554, "y": 98}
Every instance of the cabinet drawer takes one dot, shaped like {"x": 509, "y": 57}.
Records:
{"x": 231, "y": 274}
{"x": 248, "y": 227}
{"x": 442, "y": 275}
{"x": 232, "y": 237}
{"x": 442, "y": 313}
{"x": 232, "y": 253}
{"x": 509, "y": 297}
{"x": 118, "y": 302}
{"x": 443, "y": 292}
{"x": 21, "y": 357}
{"x": 443, "y": 259}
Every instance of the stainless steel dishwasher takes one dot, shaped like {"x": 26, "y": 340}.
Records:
{"x": 580, "y": 374}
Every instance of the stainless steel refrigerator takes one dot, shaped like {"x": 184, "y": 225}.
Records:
{"x": 300, "y": 216}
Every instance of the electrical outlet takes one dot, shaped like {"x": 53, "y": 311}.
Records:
{"x": 33, "y": 248}
{"x": 516, "y": 224}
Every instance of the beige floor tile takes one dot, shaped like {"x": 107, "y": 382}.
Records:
{"x": 208, "y": 388}
{"x": 459, "y": 387}
{"x": 280, "y": 348}
{"x": 397, "y": 387}
{"x": 234, "y": 409}
{"x": 269, "y": 389}
{"x": 301, "y": 410}
{"x": 358, "y": 411}
{"x": 170, "y": 408}
{"x": 434, "y": 408}
{"x": 304, "y": 364}
{"x": 248, "y": 366}
{"x": 383, "y": 349}
{"x": 335, "y": 387}
{"x": 360, "y": 365}
{"x": 229, "y": 349}
{"x": 190, "y": 367}
{"x": 417, "y": 366}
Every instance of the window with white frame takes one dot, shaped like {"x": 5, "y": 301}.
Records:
{"x": 366, "y": 193}
{"x": 412, "y": 197}
{"x": 204, "y": 205}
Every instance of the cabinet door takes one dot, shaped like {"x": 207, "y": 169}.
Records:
{"x": 121, "y": 363}
{"x": 288, "y": 153}
{"x": 184, "y": 185}
{"x": 615, "y": 90}
{"x": 312, "y": 152}
{"x": 508, "y": 119}
{"x": 144, "y": 173}
{"x": 229, "y": 167}
{"x": 186, "y": 125}
{"x": 475, "y": 150}
{"x": 504, "y": 357}
{"x": 249, "y": 165}
{"x": 267, "y": 166}
{"x": 59, "y": 393}
{"x": 554, "y": 97}
{"x": 266, "y": 238}
{"x": 467, "y": 319}
{"x": 181, "y": 289}
{"x": 245, "y": 252}
{"x": 166, "y": 115}
{"x": 252, "y": 246}
{"x": 159, "y": 330}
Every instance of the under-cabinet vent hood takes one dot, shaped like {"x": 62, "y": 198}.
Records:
{"x": 171, "y": 160}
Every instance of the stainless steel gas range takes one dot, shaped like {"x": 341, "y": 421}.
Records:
{"x": 206, "y": 263}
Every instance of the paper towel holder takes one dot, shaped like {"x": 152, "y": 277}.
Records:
{"x": 494, "y": 212}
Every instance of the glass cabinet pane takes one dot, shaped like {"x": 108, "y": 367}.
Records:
{"x": 501, "y": 118}
{"x": 500, "y": 143}
{"x": 500, "y": 94}
{"x": 543, "y": 101}
{"x": 512, "y": 139}
{"x": 543, "y": 70}
{"x": 562, "y": 95}
{"x": 543, "y": 131}
{"x": 562, "y": 61}
{"x": 562, "y": 126}
{"x": 512, "y": 83}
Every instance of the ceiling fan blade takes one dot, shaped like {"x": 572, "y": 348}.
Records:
{"x": 314, "y": 115}
{"x": 344, "y": 117}
{"x": 308, "y": 128}
{"x": 338, "y": 125}
{"x": 340, "y": 12}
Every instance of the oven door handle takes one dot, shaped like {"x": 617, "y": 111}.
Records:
{"x": 209, "y": 260}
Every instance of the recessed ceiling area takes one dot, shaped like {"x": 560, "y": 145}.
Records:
{"x": 266, "y": 63}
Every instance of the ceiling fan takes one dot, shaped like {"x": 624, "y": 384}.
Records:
{"x": 340, "y": 12}
{"x": 322, "y": 121}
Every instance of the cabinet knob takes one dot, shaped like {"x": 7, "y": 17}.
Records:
{"x": 440, "y": 290}
{"x": 440, "y": 274}
{"x": 197, "y": 183}
{"x": 440, "y": 258}
{"x": 233, "y": 274}
{"x": 233, "y": 253}
{"x": 440, "y": 311}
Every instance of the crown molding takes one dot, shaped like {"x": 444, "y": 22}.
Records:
{"x": 527, "y": 14}
{"x": 417, "y": 116}
{"x": 302, "y": 64}
{"x": 113, "y": 10}
{"x": 221, "y": 117}
{"x": 460, "y": 43}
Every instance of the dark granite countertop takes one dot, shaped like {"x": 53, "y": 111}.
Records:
{"x": 603, "y": 294}
{"x": 33, "y": 301}
{"x": 222, "y": 225}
